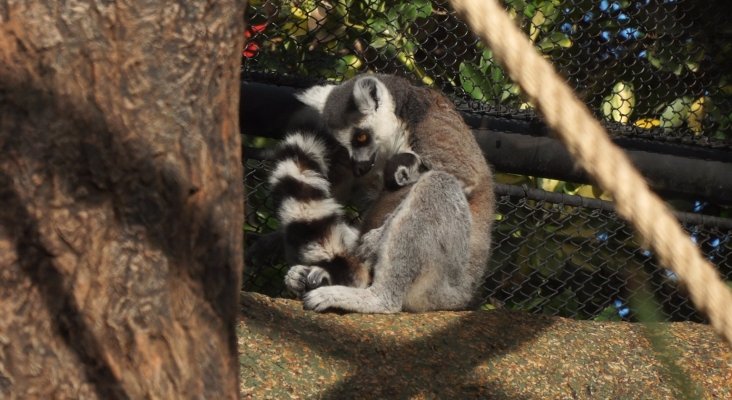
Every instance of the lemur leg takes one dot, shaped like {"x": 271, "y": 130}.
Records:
{"x": 374, "y": 299}
{"x": 367, "y": 247}
{"x": 346, "y": 298}
{"x": 421, "y": 257}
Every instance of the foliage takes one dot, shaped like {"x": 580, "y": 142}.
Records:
{"x": 650, "y": 72}
{"x": 640, "y": 70}
{"x": 335, "y": 40}
{"x": 486, "y": 81}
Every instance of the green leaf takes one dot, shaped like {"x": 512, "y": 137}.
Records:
{"x": 619, "y": 105}
{"x": 536, "y": 22}
{"x": 546, "y": 14}
{"x": 515, "y": 4}
{"x": 509, "y": 90}
{"x": 497, "y": 78}
{"x": 378, "y": 25}
{"x": 486, "y": 60}
{"x": 549, "y": 11}
{"x": 408, "y": 12}
{"x": 676, "y": 113}
{"x": 655, "y": 61}
{"x": 409, "y": 46}
{"x": 424, "y": 8}
{"x": 378, "y": 43}
{"x": 570, "y": 188}
{"x": 529, "y": 10}
{"x": 665, "y": 62}
{"x": 530, "y": 304}
{"x": 473, "y": 82}
{"x": 348, "y": 66}
{"x": 697, "y": 112}
{"x": 393, "y": 14}
{"x": 553, "y": 41}
{"x": 609, "y": 313}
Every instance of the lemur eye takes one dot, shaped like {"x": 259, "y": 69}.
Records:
{"x": 361, "y": 137}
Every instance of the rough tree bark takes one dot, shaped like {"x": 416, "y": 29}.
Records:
{"x": 120, "y": 198}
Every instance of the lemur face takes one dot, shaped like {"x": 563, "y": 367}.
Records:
{"x": 403, "y": 169}
{"x": 362, "y": 150}
{"x": 361, "y": 115}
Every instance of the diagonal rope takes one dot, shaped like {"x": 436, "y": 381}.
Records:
{"x": 588, "y": 142}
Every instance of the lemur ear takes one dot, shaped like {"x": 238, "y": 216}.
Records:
{"x": 367, "y": 92}
{"x": 315, "y": 96}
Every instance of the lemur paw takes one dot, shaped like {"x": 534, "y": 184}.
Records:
{"x": 318, "y": 277}
{"x": 319, "y": 299}
{"x": 301, "y": 278}
{"x": 296, "y": 279}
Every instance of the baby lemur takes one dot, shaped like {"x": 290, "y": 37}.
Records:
{"x": 402, "y": 169}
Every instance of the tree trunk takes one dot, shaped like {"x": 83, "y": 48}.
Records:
{"x": 120, "y": 198}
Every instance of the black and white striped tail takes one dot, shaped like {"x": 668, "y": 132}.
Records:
{"x": 314, "y": 227}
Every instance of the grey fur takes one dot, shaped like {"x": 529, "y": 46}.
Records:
{"x": 413, "y": 271}
{"x": 431, "y": 242}
{"x": 402, "y": 170}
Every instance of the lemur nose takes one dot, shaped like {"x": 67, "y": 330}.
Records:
{"x": 360, "y": 168}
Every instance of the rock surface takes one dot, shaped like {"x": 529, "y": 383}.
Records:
{"x": 286, "y": 352}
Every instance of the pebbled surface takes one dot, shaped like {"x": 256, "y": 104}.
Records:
{"x": 285, "y": 352}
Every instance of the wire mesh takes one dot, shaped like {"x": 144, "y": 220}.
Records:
{"x": 548, "y": 257}
{"x": 585, "y": 262}
{"x": 657, "y": 68}
{"x": 654, "y": 69}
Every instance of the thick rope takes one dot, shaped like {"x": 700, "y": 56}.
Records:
{"x": 588, "y": 142}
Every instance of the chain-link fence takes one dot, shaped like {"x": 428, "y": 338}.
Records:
{"x": 658, "y": 70}
{"x": 553, "y": 253}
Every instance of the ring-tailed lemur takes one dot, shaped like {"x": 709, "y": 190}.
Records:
{"x": 417, "y": 263}
{"x": 432, "y": 241}
{"x": 303, "y": 160}
{"x": 314, "y": 227}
